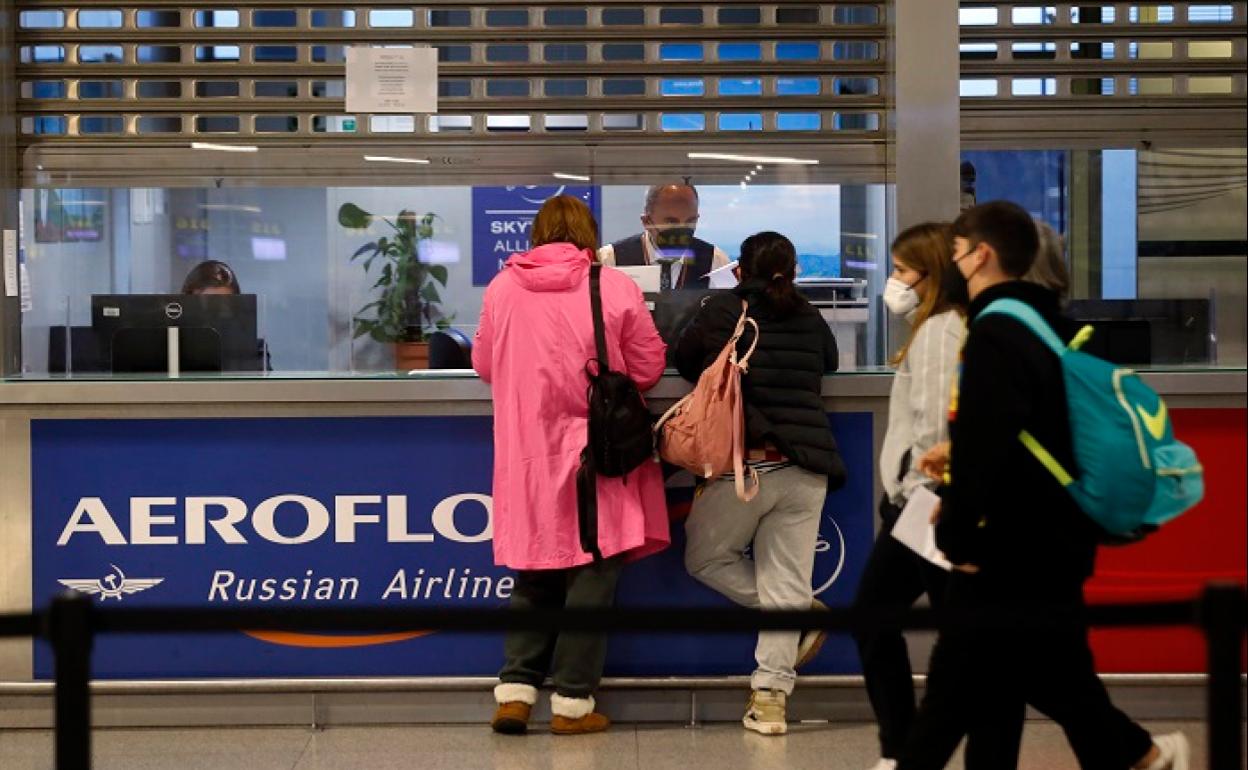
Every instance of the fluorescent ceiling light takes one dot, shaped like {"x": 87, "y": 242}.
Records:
{"x": 571, "y": 177}
{"x": 224, "y": 147}
{"x": 781, "y": 161}
{"x": 391, "y": 159}
{"x": 230, "y": 207}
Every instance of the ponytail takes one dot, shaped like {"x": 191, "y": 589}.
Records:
{"x": 770, "y": 257}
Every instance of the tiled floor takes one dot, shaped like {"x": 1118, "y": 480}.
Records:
{"x": 626, "y": 747}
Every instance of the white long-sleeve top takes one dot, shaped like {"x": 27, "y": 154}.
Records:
{"x": 918, "y": 405}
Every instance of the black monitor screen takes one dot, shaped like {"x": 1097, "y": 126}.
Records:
{"x": 673, "y": 310}
{"x": 216, "y": 332}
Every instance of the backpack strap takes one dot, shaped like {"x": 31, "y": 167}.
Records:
{"x": 740, "y": 470}
{"x": 587, "y": 474}
{"x": 1046, "y": 458}
{"x": 1027, "y": 316}
{"x": 743, "y": 362}
{"x": 595, "y": 306}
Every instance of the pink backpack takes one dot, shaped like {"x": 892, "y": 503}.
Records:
{"x": 704, "y": 432}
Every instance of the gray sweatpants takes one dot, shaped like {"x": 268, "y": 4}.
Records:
{"x": 783, "y": 524}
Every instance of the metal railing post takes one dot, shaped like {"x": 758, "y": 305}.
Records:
{"x": 1221, "y": 617}
{"x": 69, "y": 631}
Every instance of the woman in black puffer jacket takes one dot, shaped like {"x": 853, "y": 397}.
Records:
{"x": 788, "y": 443}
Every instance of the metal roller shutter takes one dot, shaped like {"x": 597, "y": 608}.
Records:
{"x": 101, "y": 82}
{"x": 1102, "y": 75}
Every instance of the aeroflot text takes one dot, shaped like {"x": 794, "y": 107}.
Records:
{"x": 170, "y": 521}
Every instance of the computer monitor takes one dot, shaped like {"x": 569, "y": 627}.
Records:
{"x": 1149, "y": 331}
{"x": 216, "y": 332}
{"x": 673, "y": 310}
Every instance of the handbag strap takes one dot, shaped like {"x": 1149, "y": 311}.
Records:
{"x": 595, "y": 306}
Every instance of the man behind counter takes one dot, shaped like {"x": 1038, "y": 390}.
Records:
{"x": 669, "y": 220}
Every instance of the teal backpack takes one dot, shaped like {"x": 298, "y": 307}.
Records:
{"x": 1133, "y": 475}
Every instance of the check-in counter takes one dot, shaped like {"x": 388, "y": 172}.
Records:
{"x": 317, "y": 491}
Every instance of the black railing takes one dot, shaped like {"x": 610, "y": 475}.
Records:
{"x": 72, "y": 622}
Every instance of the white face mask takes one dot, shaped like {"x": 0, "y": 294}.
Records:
{"x": 900, "y": 297}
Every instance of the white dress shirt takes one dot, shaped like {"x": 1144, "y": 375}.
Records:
{"x": 606, "y": 255}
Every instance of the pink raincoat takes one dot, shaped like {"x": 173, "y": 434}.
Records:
{"x": 535, "y": 337}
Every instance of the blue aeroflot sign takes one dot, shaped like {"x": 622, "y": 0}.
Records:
{"x": 343, "y": 512}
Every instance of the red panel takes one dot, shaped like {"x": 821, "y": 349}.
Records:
{"x": 1209, "y": 542}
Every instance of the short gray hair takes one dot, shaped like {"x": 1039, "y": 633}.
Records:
{"x": 1049, "y": 270}
{"x": 652, "y": 195}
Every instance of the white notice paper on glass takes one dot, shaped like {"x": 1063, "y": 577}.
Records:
{"x": 915, "y": 530}
{"x": 10, "y": 263}
{"x": 383, "y": 80}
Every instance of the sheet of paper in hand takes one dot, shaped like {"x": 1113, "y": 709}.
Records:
{"x": 915, "y": 530}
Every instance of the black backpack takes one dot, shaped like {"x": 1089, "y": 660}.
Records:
{"x": 621, "y": 428}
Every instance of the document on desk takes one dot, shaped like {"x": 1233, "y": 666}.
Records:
{"x": 915, "y": 530}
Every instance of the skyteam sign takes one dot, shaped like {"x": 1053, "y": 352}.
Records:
{"x": 502, "y": 221}
{"x": 349, "y": 512}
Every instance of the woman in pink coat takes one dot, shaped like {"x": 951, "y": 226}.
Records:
{"x": 535, "y": 337}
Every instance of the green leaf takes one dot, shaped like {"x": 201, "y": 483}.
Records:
{"x": 380, "y": 336}
{"x": 439, "y": 273}
{"x": 354, "y": 217}
{"x": 430, "y": 293}
{"x": 386, "y": 276}
{"x": 364, "y": 250}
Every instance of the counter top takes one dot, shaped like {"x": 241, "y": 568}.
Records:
{"x": 459, "y": 386}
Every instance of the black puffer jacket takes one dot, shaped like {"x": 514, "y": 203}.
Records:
{"x": 1004, "y": 511}
{"x": 783, "y": 387}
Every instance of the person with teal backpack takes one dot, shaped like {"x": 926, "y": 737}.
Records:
{"x": 1052, "y": 452}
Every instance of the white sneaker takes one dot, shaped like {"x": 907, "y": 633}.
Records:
{"x": 1175, "y": 752}
{"x": 765, "y": 714}
{"x": 885, "y": 764}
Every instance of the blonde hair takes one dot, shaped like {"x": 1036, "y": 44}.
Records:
{"x": 927, "y": 248}
{"x": 565, "y": 219}
{"x": 1049, "y": 270}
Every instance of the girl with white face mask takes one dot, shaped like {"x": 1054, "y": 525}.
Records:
{"x": 919, "y": 290}
{"x": 900, "y": 294}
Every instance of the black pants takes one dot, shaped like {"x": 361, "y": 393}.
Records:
{"x": 977, "y": 675}
{"x": 573, "y": 660}
{"x": 896, "y": 577}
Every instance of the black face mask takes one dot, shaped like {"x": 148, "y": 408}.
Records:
{"x": 674, "y": 242}
{"x": 955, "y": 288}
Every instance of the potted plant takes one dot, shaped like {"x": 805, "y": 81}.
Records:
{"x": 407, "y": 308}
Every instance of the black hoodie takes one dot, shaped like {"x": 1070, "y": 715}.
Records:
{"x": 1004, "y": 512}
{"x": 783, "y": 387}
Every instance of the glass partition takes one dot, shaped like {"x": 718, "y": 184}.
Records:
{"x": 319, "y": 259}
{"x": 1156, "y": 242}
